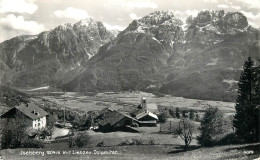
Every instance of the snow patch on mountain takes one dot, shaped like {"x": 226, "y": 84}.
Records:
{"x": 231, "y": 82}
{"x": 40, "y": 88}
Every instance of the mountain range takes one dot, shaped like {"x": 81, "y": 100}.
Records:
{"x": 201, "y": 57}
{"x": 45, "y": 58}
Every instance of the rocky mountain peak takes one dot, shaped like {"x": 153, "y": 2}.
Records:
{"x": 162, "y": 25}
{"x": 236, "y": 20}
{"x": 55, "y": 52}
{"x": 88, "y": 22}
{"x": 223, "y": 22}
{"x": 157, "y": 18}
{"x": 64, "y": 26}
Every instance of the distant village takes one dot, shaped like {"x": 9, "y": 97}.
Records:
{"x": 35, "y": 119}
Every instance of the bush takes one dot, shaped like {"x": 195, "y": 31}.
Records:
{"x": 136, "y": 141}
{"x": 32, "y": 143}
{"x": 101, "y": 144}
{"x": 227, "y": 139}
{"x": 152, "y": 141}
{"x": 125, "y": 143}
{"x": 79, "y": 142}
{"x": 162, "y": 117}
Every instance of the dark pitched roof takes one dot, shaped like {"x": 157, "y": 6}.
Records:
{"x": 113, "y": 117}
{"x": 101, "y": 113}
{"x": 32, "y": 111}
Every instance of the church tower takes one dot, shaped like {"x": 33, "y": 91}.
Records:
{"x": 143, "y": 102}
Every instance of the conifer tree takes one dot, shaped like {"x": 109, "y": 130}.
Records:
{"x": 191, "y": 114}
{"x": 256, "y": 104}
{"x": 197, "y": 117}
{"x": 245, "y": 119}
{"x": 212, "y": 126}
{"x": 172, "y": 113}
{"x": 184, "y": 114}
{"x": 178, "y": 113}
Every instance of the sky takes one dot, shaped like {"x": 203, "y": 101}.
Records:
{"x": 19, "y": 17}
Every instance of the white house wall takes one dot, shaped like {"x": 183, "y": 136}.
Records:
{"x": 39, "y": 123}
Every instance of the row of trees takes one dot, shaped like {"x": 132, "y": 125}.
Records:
{"x": 184, "y": 114}
{"x": 179, "y": 114}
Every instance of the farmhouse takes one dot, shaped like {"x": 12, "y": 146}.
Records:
{"x": 30, "y": 115}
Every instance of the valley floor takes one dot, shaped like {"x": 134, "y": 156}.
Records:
{"x": 166, "y": 146}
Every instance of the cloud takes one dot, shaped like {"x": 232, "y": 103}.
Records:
{"x": 72, "y": 13}
{"x": 133, "y": 16}
{"x": 17, "y": 6}
{"x": 140, "y": 4}
{"x": 250, "y": 15}
{"x": 113, "y": 27}
{"x": 235, "y": 7}
{"x": 20, "y": 24}
{"x": 185, "y": 14}
{"x": 253, "y": 24}
{"x": 211, "y": 1}
{"x": 119, "y": 19}
{"x": 251, "y": 3}
{"x": 223, "y": 6}
{"x": 192, "y": 13}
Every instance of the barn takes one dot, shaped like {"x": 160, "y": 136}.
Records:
{"x": 109, "y": 120}
{"x": 116, "y": 121}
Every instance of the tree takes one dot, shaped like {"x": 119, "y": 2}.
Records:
{"x": 213, "y": 126}
{"x": 256, "y": 103}
{"x": 185, "y": 131}
{"x": 178, "y": 113}
{"x": 80, "y": 121}
{"x": 171, "y": 112}
{"x": 50, "y": 125}
{"x": 197, "y": 117}
{"x": 247, "y": 113}
{"x": 162, "y": 117}
{"x": 192, "y": 114}
{"x": 184, "y": 114}
{"x": 70, "y": 141}
{"x": 78, "y": 140}
{"x": 13, "y": 131}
